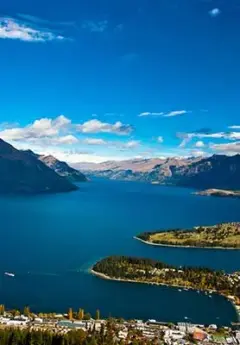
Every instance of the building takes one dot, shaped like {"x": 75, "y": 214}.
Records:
{"x": 199, "y": 335}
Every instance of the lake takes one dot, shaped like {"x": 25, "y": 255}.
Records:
{"x": 50, "y": 242}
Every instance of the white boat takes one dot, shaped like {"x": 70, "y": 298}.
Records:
{"x": 179, "y": 290}
{"x": 9, "y": 274}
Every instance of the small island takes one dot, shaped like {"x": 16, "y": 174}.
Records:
{"x": 219, "y": 192}
{"x": 142, "y": 270}
{"x": 221, "y": 236}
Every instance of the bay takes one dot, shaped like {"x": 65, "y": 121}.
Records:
{"x": 51, "y": 241}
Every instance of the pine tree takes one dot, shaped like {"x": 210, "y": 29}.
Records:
{"x": 97, "y": 314}
{"x": 26, "y": 311}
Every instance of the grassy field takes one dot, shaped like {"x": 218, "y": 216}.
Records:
{"x": 225, "y": 235}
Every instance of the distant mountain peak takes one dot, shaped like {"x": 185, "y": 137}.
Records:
{"x": 62, "y": 168}
{"x": 6, "y": 148}
{"x": 23, "y": 172}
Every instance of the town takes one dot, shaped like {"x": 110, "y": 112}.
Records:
{"x": 122, "y": 331}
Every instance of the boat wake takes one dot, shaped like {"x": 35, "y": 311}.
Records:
{"x": 9, "y": 274}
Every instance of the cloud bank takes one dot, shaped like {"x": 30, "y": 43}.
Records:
{"x": 97, "y": 126}
{"x": 14, "y": 29}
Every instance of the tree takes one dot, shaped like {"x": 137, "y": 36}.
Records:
{"x": 70, "y": 314}
{"x": 97, "y": 314}
{"x": 15, "y": 312}
{"x": 26, "y": 311}
{"x": 2, "y": 309}
{"x": 80, "y": 314}
{"x": 81, "y": 335}
{"x": 87, "y": 316}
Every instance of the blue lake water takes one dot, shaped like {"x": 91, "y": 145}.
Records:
{"x": 51, "y": 241}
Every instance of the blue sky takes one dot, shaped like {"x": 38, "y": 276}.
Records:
{"x": 100, "y": 79}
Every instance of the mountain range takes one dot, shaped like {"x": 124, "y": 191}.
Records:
{"x": 217, "y": 171}
{"x": 29, "y": 173}
{"x": 24, "y": 172}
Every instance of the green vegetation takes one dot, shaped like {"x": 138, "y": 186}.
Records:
{"x": 150, "y": 271}
{"x": 2, "y": 309}
{"x": 226, "y": 235}
{"x": 97, "y": 317}
{"x": 70, "y": 314}
{"x": 80, "y": 314}
{"x": 26, "y": 337}
{"x": 220, "y": 192}
{"x": 106, "y": 336}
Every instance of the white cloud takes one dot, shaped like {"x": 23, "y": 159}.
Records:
{"x": 67, "y": 139}
{"x": 233, "y": 136}
{"x": 175, "y": 113}
{"x": 43, "y": 128}
{"x": 169, "y": 114}
{"x": 93, "y": 141}
{"x": 218, "y": 135}
{"x": 228, "y": 148}
{"x": 96, "y": 126}
{"x": 43, "y": 132}
{"x": 131, "y": 144}
{"x": 58, "y": 137}
{"x": 214, "y": 12}
{"x": 51, "y": 141}
{"x": 151, "y": 114}
{"x": 93, "y": 26}
{"x": 199, "y": 144}
{"x": 160, "y": 139}
{"x": 13, "y": 29}
{"x": 234, "y": 127}
{"x": 187, "y": 137}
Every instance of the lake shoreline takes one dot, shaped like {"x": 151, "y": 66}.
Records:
{"x": 106, "y": 277}
{"x": 182, "y": 246}
{"x": 206, "y": 291}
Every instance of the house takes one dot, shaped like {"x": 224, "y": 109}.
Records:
{"x": 17, "y": 323}
{"x": 214, "y": 327}
{"x": 174, "y": 334}
{"x": 23, "y": 317}
{"x": 199, "y": 335}
{"x": 122, "y": 334}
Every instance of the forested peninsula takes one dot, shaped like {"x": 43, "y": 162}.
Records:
{"x": 225, "y": 235}
{"x": 149, "y": 271}
{"x": 219, "y": 192}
